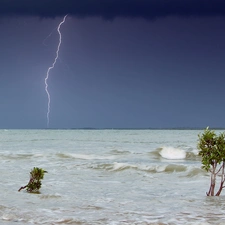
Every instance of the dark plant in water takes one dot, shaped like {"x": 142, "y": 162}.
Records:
{"x": 212, "y": 151}
{"x": 34, "y": 184}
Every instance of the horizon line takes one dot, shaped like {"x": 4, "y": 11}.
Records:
{"x": 117, "y": 128}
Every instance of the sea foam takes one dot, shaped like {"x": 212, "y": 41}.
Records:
{"x": 172, "y": 153}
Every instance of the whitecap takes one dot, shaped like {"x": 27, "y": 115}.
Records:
{"x": 89, "y": 157}
{"x": 172, "y": 153}
{"x": 121, "y": 166}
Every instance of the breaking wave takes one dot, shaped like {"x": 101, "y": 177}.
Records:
{"x": 83, "y": 156}
{"x": 169, "y": 168}
{"x": 172, "y": 153}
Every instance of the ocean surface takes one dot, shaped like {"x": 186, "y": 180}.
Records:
{"x": 106, "y": 177}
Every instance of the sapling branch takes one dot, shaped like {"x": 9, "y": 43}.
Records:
{"x": 22, "y": 188}
{"x": 219, "y": 169}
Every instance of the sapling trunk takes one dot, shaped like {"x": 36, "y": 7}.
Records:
{"x": 213, "y": 182}
{"x": 222, "y": 179}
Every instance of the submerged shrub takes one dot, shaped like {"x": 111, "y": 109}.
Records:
{"x": 34, "y": 184}
{"x": 212, "y": 150}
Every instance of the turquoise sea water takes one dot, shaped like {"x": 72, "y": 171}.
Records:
{"x": 106, "y": 177}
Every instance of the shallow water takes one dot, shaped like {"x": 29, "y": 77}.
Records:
{"x": 106, "y": 177}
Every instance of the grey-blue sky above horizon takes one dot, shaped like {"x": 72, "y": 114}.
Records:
{"x": 109, "y": 9}
{"x": 143, "y": 64}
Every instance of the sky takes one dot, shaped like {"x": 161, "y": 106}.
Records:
{"x": 122, "y": 64}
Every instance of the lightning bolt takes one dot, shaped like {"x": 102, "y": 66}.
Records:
{"x": 51, "y": 67}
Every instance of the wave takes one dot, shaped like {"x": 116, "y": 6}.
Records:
{"x": 193, "y": 155}
{"x": 48, "y": 196}
{"x": 118, "y": 152}
{"x": 10, "y": 156}
{"x": 169, "y": 168}
{"x": 14, "y": 215}
{"x": 24, "y": 156}
{"x": 196, "y": 171}
{"x": 172, "y": 153}
{"x": 83, "y": 156}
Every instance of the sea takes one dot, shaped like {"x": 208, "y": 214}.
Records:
{"x": 108, "y": 176}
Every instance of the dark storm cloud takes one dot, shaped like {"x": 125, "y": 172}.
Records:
{"x": 108, "y": 9}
